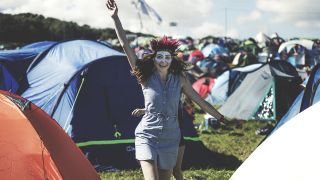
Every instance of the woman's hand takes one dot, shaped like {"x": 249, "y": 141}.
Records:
{"x": 221, "y": 120}
{"x": 112, "y": 8}
{"x": 138, "y": 112}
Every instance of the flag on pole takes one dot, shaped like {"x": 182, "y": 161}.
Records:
{"x": 149, "y": 11}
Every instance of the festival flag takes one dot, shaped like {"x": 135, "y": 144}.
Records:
{"x": 147, "y": 10}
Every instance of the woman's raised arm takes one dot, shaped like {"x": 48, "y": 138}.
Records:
{"x": 113, "y": 11}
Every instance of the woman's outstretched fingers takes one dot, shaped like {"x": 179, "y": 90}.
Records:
{"x": 112, "y": 8}
{"x": 133, "y": 113}
{"x": 138, "y": 112}
{"x": 110, "y": 5}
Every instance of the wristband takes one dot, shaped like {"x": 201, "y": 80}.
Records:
{"x": 221, "y": 118}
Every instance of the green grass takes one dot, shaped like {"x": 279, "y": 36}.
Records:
{"x": 236, "y": 138}
{"x": 191, "y": 174}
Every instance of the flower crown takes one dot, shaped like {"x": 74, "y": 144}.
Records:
{"x": 164, "y": 44}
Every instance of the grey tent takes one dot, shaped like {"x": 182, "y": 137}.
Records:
{"x": 224, "y": 84}
{"x": 264, "y": 94}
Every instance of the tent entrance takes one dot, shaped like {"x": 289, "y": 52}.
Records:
{"x": 267, "y": 107}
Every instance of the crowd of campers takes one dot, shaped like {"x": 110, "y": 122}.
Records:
{"x": 86, "y": 87}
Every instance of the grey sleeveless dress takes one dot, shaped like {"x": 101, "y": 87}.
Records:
{"x": 157, "y": 134}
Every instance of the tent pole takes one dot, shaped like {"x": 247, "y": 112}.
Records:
{"x": 66, "y": 127}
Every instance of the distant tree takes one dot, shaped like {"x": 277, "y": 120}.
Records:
{"x": 26, "y": 28}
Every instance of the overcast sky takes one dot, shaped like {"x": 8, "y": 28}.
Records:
{"x": 195, "y": 18}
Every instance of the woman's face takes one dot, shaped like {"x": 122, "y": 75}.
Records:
{"x": 162, "y": 60}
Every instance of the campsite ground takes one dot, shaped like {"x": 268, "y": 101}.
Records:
{"x": 235, "y": 138}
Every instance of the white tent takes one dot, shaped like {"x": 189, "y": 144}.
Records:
{"x": 290, "y": 44}
{"x": 262, "y": 39}
{"x": 292, "y": 152}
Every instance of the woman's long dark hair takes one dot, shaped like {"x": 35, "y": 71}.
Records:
{"x": 145, "y": 67}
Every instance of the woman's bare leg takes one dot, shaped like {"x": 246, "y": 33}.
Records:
{"x": 149, "y": 170}
{"x": 164, "y": 174}
{"x": 177, "y": 172}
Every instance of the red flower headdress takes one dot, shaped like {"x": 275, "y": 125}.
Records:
{"x": 164, "y": 44}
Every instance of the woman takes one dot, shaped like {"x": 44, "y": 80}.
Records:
{"x": 162, "y": 80}
{"x": 177, "y": 171}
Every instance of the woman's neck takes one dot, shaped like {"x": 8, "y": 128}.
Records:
{"x": 163, "y": 75}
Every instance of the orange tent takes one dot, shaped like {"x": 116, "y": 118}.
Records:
{"x": 33, "y": 146}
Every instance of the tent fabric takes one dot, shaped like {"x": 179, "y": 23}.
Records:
{"x": 212, "y": 67}
{"x": 293, "y": 111}
{"x": 256, "y": 96}
{"x": 67, "y": 58}
{"x": 244, "y": 109}
{"x": 105, "y": 92}
{"x": 237, "y": 75}
{"x": 250, "y": 46}
{"x": 306, "y": 98}
{"x": 203, "y": 86}
{"x": 311, "y": 88}
{"x": 40, "y": 44}
{"x": 7, "y": 81}
{"x": 195, "y": 56}
{"x": 290, "y": 44}
{"x": 262, "y": 39}
{"x": 33, "y": 146}
{"x": 16, "y": 63}
{"x": 292, "y": 152}
{"x": 219, "y": 92}
{"x": 103, "y": 108}
{"x": 236, "y": 59}
{"x": 214, "y": 49}
{"x": 245, "y": 59}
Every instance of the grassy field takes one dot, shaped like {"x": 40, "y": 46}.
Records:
{"x": 236, "y": 138}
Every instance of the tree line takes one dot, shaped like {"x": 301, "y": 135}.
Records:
{"x": 26, "y": 28}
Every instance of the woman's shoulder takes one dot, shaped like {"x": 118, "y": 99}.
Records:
{"x": 148, "y": 80}
{"x": 182, "y": 78}
{"x": 182, "y": 75}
